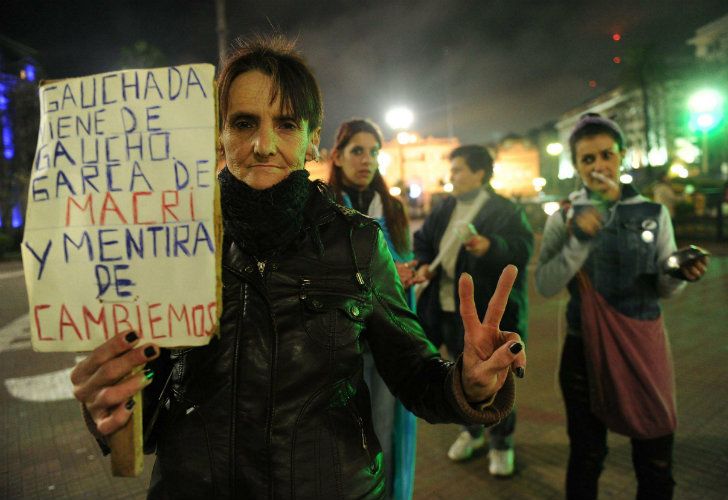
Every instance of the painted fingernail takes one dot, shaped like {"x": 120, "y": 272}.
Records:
{"x": 131, "y": 337}
{"x": 516, "y": 347}
{"x": 130, "y": 404}
{"x": 520, "y": 372}
{"x": 149, "y": 352}
{"x": 148, "y": 374}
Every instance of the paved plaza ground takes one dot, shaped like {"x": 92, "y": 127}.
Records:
{"x": 46, "y": 453}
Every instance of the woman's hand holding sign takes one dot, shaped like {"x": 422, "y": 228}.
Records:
{"x": 488, "y": 353}
{"x": 106, "y": 381}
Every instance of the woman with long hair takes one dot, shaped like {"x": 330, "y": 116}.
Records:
{"x": 357, "y": 183}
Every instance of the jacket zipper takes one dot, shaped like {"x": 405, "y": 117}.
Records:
{"x": 273, "y": 367}
{"x": 233, "y": 435}
{"x": 306, "y": 288}
{"x": 364, "y": 443}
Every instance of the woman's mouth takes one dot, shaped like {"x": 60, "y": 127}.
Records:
{"x": 603, "y": 179}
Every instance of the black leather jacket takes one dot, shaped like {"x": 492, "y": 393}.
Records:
{"x": 275, "y": 406}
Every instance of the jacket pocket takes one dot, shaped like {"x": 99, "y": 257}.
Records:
{"x": 335, "y": 459}
{"x": 637, "y": 248}
{"x": 332, "y": 320}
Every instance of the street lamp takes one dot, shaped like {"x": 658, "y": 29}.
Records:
{"x": 400, "y": 119}
{"x": 706, "y": 108}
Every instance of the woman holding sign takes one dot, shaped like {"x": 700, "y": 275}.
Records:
{"x": 276, "y": 405}
{"x": 355, "y": 179}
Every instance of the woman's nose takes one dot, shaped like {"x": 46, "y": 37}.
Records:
{"x": 264, "y": 143}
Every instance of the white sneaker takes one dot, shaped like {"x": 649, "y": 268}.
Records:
{"x": 501, "y": 462}
{"x": 464, "y": 446}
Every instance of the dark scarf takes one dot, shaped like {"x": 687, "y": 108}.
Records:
{"x": 263, "y": 222}
{"x": 360, "y": 200}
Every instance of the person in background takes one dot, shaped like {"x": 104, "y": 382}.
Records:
{"x": 608, "y": 246}
{"x": 355, "y": 181}
{"x": 276, "y": 405}
{"x": 664, "y": 194}
{"x": 475, "y": 231}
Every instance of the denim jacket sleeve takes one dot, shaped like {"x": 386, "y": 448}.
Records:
{"x": 667, "y": 286}
{"x": 561, "y": 256}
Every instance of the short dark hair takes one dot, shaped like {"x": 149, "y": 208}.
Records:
{"x": 476, "y": 158}
{"x": 591, "y": 124}
{"x": 276, "y": 57}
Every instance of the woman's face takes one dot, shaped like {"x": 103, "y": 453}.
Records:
{"x": 261, "y": 143}
{"x": 358, "y": 160}
{"x": 597, "y": 160}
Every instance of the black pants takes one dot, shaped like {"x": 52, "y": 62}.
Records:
{"x": 651, "y": 458}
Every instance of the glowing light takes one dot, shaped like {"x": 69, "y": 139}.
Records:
{"x": 447, "y": 187}
{"x": 17, "y": 216}
{"x": 415, "y": 191}
{"x": 616, "y": 60}
{"x": 616, "y": 37}
{"x": 679, "y": 170}
{"x": 395, "y": 191}
{"x": 592, "y": 83}
{"x": 399, "y": 118}
{"x": 554, "y": 148}
{"x": 657, "y": 156}
{"x": 705, "y": 121}
{"x": 566, "y": 169}
{"x": 30, "y": 72}
{"x": 538, "y": 183}
{"x": 686, "y": 151}
{"x": 625, "y": 179}
{"x": 551, "y": 207}
{"x": 8, "y": 147}
{"x": 705, "y": 100}
{"x": 406, "y": 138}
{"x": 384, "y": 160}
{"x": 496, "y": 184}
{"x": 706, "y": 107}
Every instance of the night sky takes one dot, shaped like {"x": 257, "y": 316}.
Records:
{"x": 503, "y": 66}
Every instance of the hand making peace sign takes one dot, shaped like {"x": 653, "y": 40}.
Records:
{"x": 488, "y": 353}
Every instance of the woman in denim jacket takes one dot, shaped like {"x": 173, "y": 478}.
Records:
{"x": 608, "y": 246}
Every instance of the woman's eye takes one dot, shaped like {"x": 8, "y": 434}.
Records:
{"x": 243, "y": 124}
{"x": 289, "y": 125}
{"x": 374, "y": 153}
{"x": 357, "y": 150}
{"x": 587, "y": 160}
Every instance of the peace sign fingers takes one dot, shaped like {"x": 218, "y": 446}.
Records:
{"x": 499, "y": 300}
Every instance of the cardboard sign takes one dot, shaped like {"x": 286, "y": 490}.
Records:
{"x": 122, "y": 225}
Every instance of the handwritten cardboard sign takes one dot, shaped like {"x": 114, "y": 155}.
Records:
{"x": 121, "y": 227}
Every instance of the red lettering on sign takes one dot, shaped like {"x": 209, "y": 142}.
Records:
{"x": 36, "y": 309}
{"x": 135, "y": 207}
{"x": 87, "y": 206}
{"x": 67, "y": 321}
{"x": 166, "y": 205}
{"x": 110, "y": 206}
